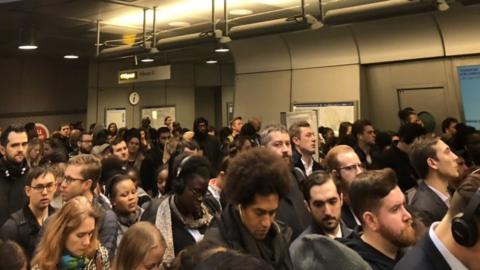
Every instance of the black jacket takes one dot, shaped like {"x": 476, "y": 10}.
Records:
{"x": 211, "y": 149}
{"x": 12, "y": 188}
{"x": 423, "y": 256}
{"x": 430, "y": 207}
{"x": 376, "y": 259}
{"x": 292, "y": 210}
{"x": 398, "y": 160}
{"x": 297, "y": 162}
{"x": 227, "y": 229}
{"x": 23, "y": 228}
{"x": 153, "y": 160}
{"x": 348, "y": 218}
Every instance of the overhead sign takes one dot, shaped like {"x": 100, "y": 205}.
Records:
{"x": 144, "y": 74}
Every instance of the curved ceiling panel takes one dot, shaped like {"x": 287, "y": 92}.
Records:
{"x": 393, "y": 39}
{"x": 321, "y": 48}
{"x": 267, "y": 53}
{"x": 460, "y": 30}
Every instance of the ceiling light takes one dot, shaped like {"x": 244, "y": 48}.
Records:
{"x": 240, "y": 12}
{"x": 71, "y": 56}
{"x": 147, "y": 60}
{"x": 27, "y": 47}
{"x": 222, "y": 50}
{"x": 211, "y": 61}
{"x": 27, "y": 39}
{"x": 179, "y": 24}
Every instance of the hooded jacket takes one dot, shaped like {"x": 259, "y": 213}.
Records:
{"x": 12, "y": 188}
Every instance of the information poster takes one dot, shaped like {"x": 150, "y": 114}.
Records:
{"x": 116, "y": 116}
{"x": 469, "y": 77}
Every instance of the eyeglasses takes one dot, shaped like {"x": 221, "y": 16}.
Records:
{"x": 68, "y": 180}
{"x": 353, "y": 167}
{"x": 40, "y": 188}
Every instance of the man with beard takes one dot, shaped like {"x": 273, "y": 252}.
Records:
{"x": 291, "y": 209}
{"x": 387, "y": 226}
{"x": 84, "y": 144}
{"x": 324, "y": 200}
{"x": 13, "y": 169}
{"x": 208, "y": 143}
{"x": 304, "y": 142}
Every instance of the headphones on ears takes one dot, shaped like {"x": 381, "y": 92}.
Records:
{"x": 178, "y": 184}
{"x": 464, "y": 227}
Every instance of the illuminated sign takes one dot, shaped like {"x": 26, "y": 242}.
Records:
{"x": 144, "y": 74}
{"x": 125, "y": 76}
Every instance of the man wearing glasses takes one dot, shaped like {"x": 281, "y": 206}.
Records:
{"x": 24, "y": 225}
{"x": 343, "y": 163}
{"x": 81, "y": 178}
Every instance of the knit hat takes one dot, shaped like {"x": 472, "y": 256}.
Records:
{"x": 315, "y": 251}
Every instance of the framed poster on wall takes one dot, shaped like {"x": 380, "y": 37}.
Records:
{"x": 157, "y": 114}
{"x": 117, "y": 116}
{"x": 331, "y": 114}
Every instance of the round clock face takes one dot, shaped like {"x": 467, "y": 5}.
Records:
{"x": 134, "y": 98}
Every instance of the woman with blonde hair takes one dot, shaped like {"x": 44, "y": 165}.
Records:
{"x": 70, "y": 240}
{"x": 34, "y": 152}
{"x": 142, "y": 247}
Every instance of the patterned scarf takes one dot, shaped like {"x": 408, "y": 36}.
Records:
{"x": 191, "y": 222}
{"x": 69, "y": 262}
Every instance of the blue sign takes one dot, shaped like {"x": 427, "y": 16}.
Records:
{"x": 469, "y": 77}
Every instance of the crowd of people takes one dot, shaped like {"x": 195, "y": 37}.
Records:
{"x": 241, "y": 197}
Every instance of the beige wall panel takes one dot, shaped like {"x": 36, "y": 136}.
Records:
{"x": 460, "y": 30}
{"x": 398, "y": 39}
{"x": 320, "y": 48}
{"x": 327, "y": 84}
{"x": 268, "y": 53}
{"x": 263, "y": 95}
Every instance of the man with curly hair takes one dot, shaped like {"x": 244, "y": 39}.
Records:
{"x": 255, "y": 183}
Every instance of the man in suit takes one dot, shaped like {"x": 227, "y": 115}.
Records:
{"x": 343, "y": 163}
{"x": 437, "y": 165}
{"x": 304, "y": 144}
{"x": 453, "y": 242}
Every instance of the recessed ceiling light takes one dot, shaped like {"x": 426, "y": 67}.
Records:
{"x": 222, "y": 50}
{"x": 71, "y": 56}
{"x": 27, "y": 47}
{"x": 211, "y": 61}
{"x": 179, "y": 24}
{"x": 147, "y": 60}
{"x": 240, "y": 12}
